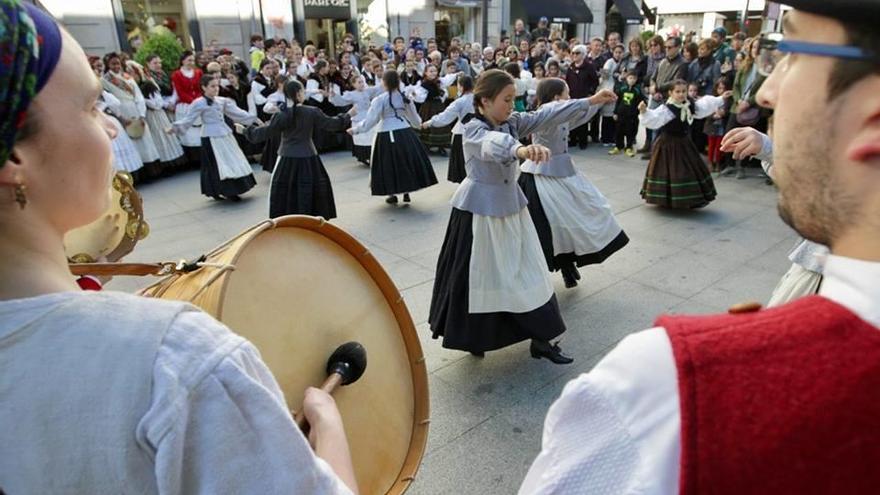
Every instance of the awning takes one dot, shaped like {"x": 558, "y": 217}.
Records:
{"x": 461, "y": 3}
{"x": 561, "y": 11}
{"x": 629, "y": 11}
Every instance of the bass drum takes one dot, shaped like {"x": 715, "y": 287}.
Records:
{"x": 298, "y": 287}
{"x": 116, "y": 232}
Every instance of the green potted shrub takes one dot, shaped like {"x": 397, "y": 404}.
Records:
{"x": 164, "y": 43}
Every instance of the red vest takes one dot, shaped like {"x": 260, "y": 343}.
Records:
{"x": 188, "y": 89}
{"x": 782, "y": 401}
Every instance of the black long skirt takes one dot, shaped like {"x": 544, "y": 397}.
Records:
{"x": 401, "y": 166}
{"x": 301, "y": 186}
{"x": 361, "y": 153}
{"x": 479, "y": 332}
{"x": 556, "y": 262}
{"x": 677, "y": 177}
{"x": 211, "y": 184}
{"x": 270, "y": 153}
{"x": 434, "y": 136}
{"x": 456, "y": 172}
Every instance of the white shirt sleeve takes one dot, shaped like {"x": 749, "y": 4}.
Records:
{"x": 616, "y": 429}
{"x": 256, "y": 94}
{"x": 707, "y": 105}
{"x": 218, "y": 422}
{"x": 313, "y": 90}
{"x": 655, "y": 118}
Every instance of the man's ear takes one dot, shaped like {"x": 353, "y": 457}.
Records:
{"x": 863, "y": 145}
{"x": 10, "y": 172}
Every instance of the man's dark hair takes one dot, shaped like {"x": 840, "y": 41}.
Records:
{"x": 847, "y": 73}
{"x": 269, "y": 44}
{"x": 255, "y": 38}
{"x": 675, "y": 40}
{"x": 394, "y": 41}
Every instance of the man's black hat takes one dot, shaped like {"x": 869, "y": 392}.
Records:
{"x": 848, "y": 11}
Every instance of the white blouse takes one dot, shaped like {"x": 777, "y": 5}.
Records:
{"x": 656, "y": 118}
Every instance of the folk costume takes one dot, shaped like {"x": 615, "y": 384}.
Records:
{"x": 132, "y": 107}
{"x": 456, "y": 112}
{"x": 362, "y": 146}
{"x": 187, "y": 88}
{"x": 125, "y": 155}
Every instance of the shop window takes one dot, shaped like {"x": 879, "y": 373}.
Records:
{"x": 143, "y": 15}
{"x": 449, "y": 23}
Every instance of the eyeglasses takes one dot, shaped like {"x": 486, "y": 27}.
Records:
{"x": 773, "y": 49}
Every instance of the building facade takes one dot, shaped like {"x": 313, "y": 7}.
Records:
{"x": 102, "y": 26}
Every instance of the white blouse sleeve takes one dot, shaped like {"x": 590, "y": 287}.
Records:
{"x": 218, "y": 422}
{"x": 231, "y": 110}
{"x": 313, "y": 90}
{"x": 256, "y": 94}
{"x": 707, "y": 105}
{"x": 656, "y": 118}
{"x": 374, "y": 114}
{"x": 416, "y": 92}
{"x": 617, "y": 429}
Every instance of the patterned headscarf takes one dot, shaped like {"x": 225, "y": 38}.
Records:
{"x": 30, "y": 46}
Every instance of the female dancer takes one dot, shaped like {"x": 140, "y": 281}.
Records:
{"x": 276, "y": 102}
{"x": 458, "y": 110}
{"x": 186, "y": 88}
{"x": 225, "y": 170}
{"x": 676, "y": 176}
{"x": 131, "y": 110}
{"x": 492, "y": 287}
{"x": 170, "y": 151}
{"x": 152, "y": 405}
{"x": 400, "y": 163}
{"x": 574, "y": 221}
{"x": 360, "y": 99}
{"x": 433, "y": 98}
{"x": 300, "y": 184}
{"x": 125, "y": 155}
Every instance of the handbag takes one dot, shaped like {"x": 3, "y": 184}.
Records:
{"x": 752, "y": 115}
{"x": 135, "y": 128}
{"x": 748, "y": 117}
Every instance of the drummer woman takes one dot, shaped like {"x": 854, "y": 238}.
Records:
{"x": 226, "y": 172}
{"x": 300, "y": 184}
{"x": 157, "y": 397}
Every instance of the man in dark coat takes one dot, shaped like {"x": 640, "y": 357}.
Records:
{"x": 583, "y": 79}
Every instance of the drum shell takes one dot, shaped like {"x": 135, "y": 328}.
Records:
{"x": 300, "y": 287}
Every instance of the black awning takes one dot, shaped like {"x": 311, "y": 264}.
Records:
{"x": 561, "y": 11}
{"x": 629, "y": 11}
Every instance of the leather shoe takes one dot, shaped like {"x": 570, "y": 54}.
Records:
{"x": 543, "y": 349}
{"x": 478, "y": 354}
{"x": 391, "y": 200}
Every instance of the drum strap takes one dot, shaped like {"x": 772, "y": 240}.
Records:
{"x": 137, "y": 269}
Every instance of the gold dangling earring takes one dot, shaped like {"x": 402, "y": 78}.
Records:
{"x": 20, "y": 196}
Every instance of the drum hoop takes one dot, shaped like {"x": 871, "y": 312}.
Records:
{"x": 418, "y": 368}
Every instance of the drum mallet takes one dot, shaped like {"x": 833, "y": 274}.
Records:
{"x": 344, "y": 367}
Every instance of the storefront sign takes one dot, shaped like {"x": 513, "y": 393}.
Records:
{"x": 327, "y": 9}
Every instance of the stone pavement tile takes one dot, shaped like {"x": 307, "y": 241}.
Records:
{"x": 692, "y": 307}
{"x": 775, "y": 258}
{"x": 502, "y": 378}
{"x": 453, "y": 414}
{"x": 601, "y": 320}
{"x": 383, "y": 256}
{"x": 739, "y": 243}
{"x": 686, "y": 274}
{"x": 682, "y": 233}
{"x": 641, "y": 252}
{"x": 427, "y": 259}
{"x": 768, "y": 220}
{"x": 594, "y": 278}
{"x": 639, "y": 219}
{"x": 743, "y": 284}
{"x": 492, "y": 458}
{"x": 406, "y": 274}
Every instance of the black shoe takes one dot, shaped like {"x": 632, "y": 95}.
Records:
{"x": 582, "y": 146}
{"x": 391, "y": 200}
{"x": 577, "y": 273}
{"x": 234, "y": 198}
{"x": 542, "y": 349}
{"x": 478, "y": 354}
{"x": 569, "y": 277}
{"x": 441, "y": 151}
{"x": 644, "y": 149}
{"x": 406, "y": 198}
{"x": 646, "y": 157}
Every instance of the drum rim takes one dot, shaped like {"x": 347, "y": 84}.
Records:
{"x": 418, "y": 368}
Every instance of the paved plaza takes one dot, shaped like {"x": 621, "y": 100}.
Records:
{"x": 487, "y": 414}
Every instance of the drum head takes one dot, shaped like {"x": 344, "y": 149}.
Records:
{"x": 299, "y": 289}
{"x": 116, "y": 232}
